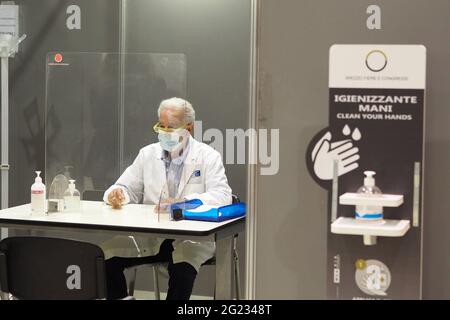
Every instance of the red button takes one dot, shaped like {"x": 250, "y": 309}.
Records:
{"x": 58, "y": 58}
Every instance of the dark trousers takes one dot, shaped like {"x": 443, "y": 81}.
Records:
{"x": 181, "y": 281}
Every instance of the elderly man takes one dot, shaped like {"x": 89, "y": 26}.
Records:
{"x": 177, "y": 168}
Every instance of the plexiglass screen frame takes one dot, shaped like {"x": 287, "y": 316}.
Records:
{"x": 100, "y": 109}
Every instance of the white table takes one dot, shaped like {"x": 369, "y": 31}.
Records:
{"x": 134, "y": 219}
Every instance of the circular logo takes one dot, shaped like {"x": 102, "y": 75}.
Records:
{"x": 58, "y": 58}
{"x": 372, "y": 277}
{"x": 376, "y": 60}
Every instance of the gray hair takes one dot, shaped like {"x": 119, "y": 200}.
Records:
{"x": 178, "y": 104}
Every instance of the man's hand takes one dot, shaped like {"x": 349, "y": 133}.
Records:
{"x": 116, "y": 198}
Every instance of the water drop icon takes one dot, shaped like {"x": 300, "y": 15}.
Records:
{"x": 346, "y": 131}
{"x": 356, "y": 135}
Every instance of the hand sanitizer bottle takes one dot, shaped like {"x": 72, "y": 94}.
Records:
{"x": 38, "y": 195}
{"x": 364, "y": 212}
{"x": 72, "y": 199}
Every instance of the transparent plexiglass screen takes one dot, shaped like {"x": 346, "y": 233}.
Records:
{"x": 100, "y": 110}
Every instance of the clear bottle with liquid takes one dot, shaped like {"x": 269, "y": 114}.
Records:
{"x": 38, "y": 195}
{"x": 56, "y": 194}
{"x": 72, "y": 198}
{"x": 364, "y": 212}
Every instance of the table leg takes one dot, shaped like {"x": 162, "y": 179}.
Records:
{"x": 4, "y": 233}
{"x": 224, "y": 267}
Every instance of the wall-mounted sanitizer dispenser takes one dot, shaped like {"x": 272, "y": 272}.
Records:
{"x": 369, "y": 222}
{"x": 370, "y": 160}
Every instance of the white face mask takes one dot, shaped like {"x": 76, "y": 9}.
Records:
{"x": 170, "y": 141}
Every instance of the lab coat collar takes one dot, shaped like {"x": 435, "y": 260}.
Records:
{"x": 190, "y": 165}
{"x": 192, "y": 153}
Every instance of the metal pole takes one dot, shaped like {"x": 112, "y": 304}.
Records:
{"x": 4, "y": 139}
{"x": 252, "y": 175}
{"x": 122, "y": 71}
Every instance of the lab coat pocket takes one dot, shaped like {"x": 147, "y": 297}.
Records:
{"x": 196, "y": 177}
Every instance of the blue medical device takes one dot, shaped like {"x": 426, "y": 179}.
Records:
{"x": 185, "y": 210}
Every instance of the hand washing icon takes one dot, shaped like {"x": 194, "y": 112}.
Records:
{"x": 325, "y": 152}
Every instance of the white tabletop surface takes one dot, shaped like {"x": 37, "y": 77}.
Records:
{"x": 96, "y": 213}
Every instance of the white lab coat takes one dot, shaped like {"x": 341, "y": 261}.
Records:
{"x": 143, "y": 182}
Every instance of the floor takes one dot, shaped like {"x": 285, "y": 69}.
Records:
{"x": 150, "y": 295}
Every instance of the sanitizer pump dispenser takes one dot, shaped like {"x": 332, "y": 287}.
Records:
{"x": 72, "y": 199}
{"x": 38, "y": 195}
{"x": 364, "y": 212}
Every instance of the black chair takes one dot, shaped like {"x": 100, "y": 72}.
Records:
{"x": 38, "y": 268}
